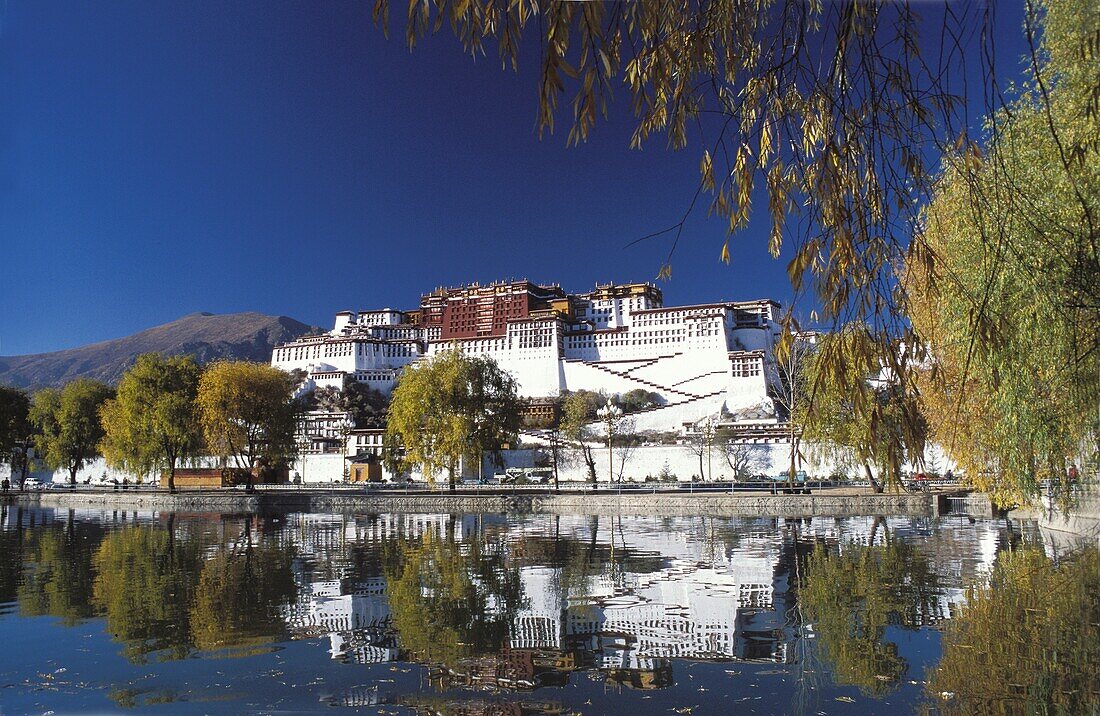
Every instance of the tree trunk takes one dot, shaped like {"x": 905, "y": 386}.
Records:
{"x": 871, "y": 478}
{"x": 451, "y": 478}
{"x": 554, "y": 447}
{"x": 794, "y": 456}
{"x": 557, "y": 448}
{"x": 171, "y": 476}
{"x": 72, "y": 474}
{"x": 590, "y": 463}
{"x": 700, "y": 467}
{"x": 24, "y": 463}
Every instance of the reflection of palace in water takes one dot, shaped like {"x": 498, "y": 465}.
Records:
{"x": 656, "y": 590}
{"x": 625, "y": 596}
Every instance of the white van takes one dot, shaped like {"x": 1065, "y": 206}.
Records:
{"x": 32, "y": 483}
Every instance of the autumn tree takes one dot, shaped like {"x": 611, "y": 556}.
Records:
{"x": 15, "y": 429}
{"x": 1006, "y": 296}
{"x": 577, "y": 414}
{"x": 153, "y": 422}
{"x": 792, "y": 392}
{"x": 450, "y": 407}
{"x": 825, "y": 114}
{"x": 836, "y": 420}
{"x": 68, "y": 422}
{"x": 247, "y": 414}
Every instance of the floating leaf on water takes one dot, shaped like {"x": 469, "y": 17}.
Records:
{"x": 845, "y": 699}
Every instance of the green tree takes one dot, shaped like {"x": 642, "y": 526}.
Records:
{"x": 68, "y": 422}
{"x": 578, "y": 412}
{"x": 15, "y": 429}
{"x": 851, "y": 597}
{"x": 153, "y": 423}
{"x": 363, "y": 402}
{"x": 638, "y": 399}
{"x": 1007, "y": 293}
{"x": 450, "y": 407}
{"x": 144, "y": 585}
{"x": 248, "y": 414}
{"x": 1027, "y": 642}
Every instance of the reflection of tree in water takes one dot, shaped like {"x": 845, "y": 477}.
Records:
{"x": 11, "y": 549}
{"x": 240, "y": 595}
{"x": 1028, "y": 642}
{"x": 852, "y": 596}
{"x": 154, "y": 588}
{"x": 450, "y": 601}
{"x": 144, "y": 586}
{"x": 58, "y": 577}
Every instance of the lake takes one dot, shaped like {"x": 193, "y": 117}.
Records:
{"x": 505, "y": 614}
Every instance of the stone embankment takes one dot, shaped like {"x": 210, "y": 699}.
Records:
{"x": 824, "y": 503}
{"x": 1066, "y": 529}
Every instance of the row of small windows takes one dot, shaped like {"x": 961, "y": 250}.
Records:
{"x": 745, "y": 367}
{"x": 374, "y": 377}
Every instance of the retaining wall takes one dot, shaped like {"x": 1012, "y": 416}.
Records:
{"x": 711, "y": 505}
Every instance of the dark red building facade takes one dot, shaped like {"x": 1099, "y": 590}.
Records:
{"x": 479, "y": 311}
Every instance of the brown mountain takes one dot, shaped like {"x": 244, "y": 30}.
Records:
{"x": 207, "y": 337}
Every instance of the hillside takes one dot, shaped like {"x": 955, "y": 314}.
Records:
{"x": 208, "y": 337}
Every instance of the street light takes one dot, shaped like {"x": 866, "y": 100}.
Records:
{"x": 345, "y": 425}
{"x": 609, "y": 413}
{"x": 304, "y": 444}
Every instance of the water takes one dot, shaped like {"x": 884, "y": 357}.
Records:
{"x": 480, "y": 614}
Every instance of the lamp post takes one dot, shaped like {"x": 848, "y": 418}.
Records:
{"x": 345, "y": 425}
{"x": 304, "y": 444}
{"x": 610, "y": 413}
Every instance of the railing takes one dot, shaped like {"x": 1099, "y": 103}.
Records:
{"x": 497, "y": 489}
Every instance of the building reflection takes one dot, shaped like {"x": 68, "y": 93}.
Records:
{"x": 622, "y": 596}
{"x": 521, "y": 602}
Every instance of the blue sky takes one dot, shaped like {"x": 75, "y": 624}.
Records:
{"x": 161, "y": 158}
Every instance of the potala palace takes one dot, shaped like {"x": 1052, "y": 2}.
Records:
{"x": 713, "y": 359}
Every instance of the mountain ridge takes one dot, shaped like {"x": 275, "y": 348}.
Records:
{"x": 248, "y": 335}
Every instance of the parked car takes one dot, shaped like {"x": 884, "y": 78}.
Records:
{"x": 32, "y": 483}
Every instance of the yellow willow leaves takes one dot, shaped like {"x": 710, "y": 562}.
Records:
{"x": 827, "y": 104}
{"x": 765, "y": 141}
{"x": 706, "y": 170}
